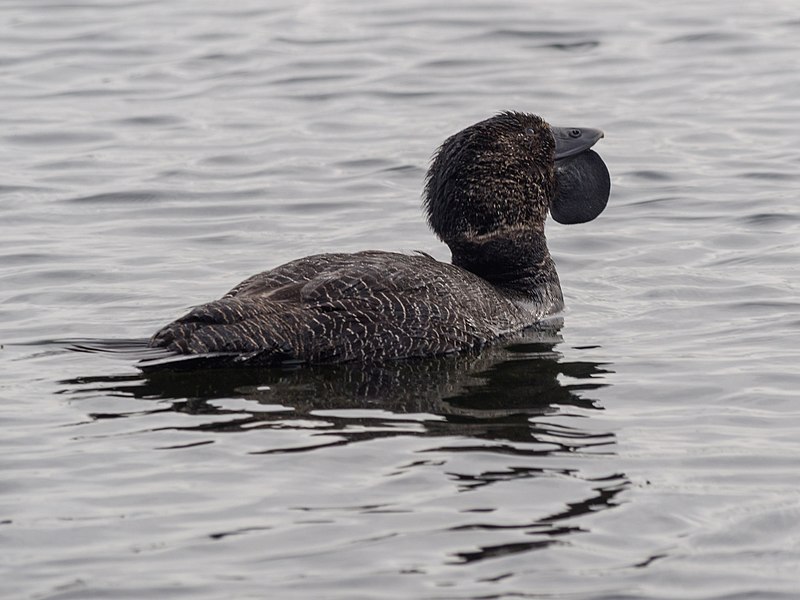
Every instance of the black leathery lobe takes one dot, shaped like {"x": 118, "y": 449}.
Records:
{"x": 585, "y": 178}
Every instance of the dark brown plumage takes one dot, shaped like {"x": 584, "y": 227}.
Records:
{"x": 487, "y": 196}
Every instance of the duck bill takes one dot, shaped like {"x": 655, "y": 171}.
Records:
{"x": 571, "y": 141}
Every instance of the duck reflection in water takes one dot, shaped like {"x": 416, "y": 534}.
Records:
{"x": 510, "y": 400}
{"x": 492, "y": 395}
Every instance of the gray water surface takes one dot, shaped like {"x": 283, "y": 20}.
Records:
{"x": 154, "y": 154}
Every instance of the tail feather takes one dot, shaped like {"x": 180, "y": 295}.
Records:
{"x": 258, "y": 328}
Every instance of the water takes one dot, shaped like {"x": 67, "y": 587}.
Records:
{"x": 154, "y": 154}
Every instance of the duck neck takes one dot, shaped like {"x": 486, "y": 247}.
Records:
{"x": 515, "y": 260}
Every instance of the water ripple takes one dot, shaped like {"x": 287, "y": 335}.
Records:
{"x": 156, "y": 153}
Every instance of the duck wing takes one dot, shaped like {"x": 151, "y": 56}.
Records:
{"x": 342, "y": 307}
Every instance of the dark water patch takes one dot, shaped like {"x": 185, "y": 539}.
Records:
{"x": 663, "y": 203}
{"x": 232, "y": 160}
{"x": 706, "y": 37}
{"x": 769, "y": 261}
{"x": 754, "y": 308}
{"x": 56, "y": 6}
{"x": 14, "y": 189}
{"x": 25, "y": 257}
{"x": 236, "y": 177}
{"x": 401, "y": 94}
{"x": 223, "y": 57}
{"x": 325, "y": 41}
{"x": 769, "y": 175}
{"x": 310, "y": 79}
{"x": 456, "y": 63}
{"x": 111, "y": 55}
{"x": 418, "y": 170}
{"x": 579, "y": 46}
{"x": 151, "y": 121}
{"x": 213, "y": 239}
{"x": 533, "y": 34}
{"x": 382, "y": 94}
{"x": 362, "y": 164}
{"x": 175, "y": 202}
{"x": 96, "y": 92}
{"x": 404, "y": 20}
{"x": 90, "y": 38}
{"x": 119, "y": 198}
{"x": 47, "y": 138}
{"x": 53, "y": 276}
{"x": 311, "y": 207}
{"x": 336, "y": 63}
{"x": 502, "y": 550}
{"x": 651, "y": 175}
{"x": 769, "y": 219}
{"x": 236, "y": 14}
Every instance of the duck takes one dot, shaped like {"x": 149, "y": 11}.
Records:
{"x": 487, "y": 195}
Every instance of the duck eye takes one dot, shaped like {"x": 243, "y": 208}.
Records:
{"x": 529, "y": 131}
{"x": 574, "y": 133}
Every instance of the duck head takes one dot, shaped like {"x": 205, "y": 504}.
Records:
{"x": 507, "y": 172}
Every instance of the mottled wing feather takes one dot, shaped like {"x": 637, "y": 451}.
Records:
{"x": 340, "y": 307}
{"x": 288, "y": 276}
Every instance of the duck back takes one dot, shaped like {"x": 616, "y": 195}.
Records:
{"x": 339, "y": 307}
